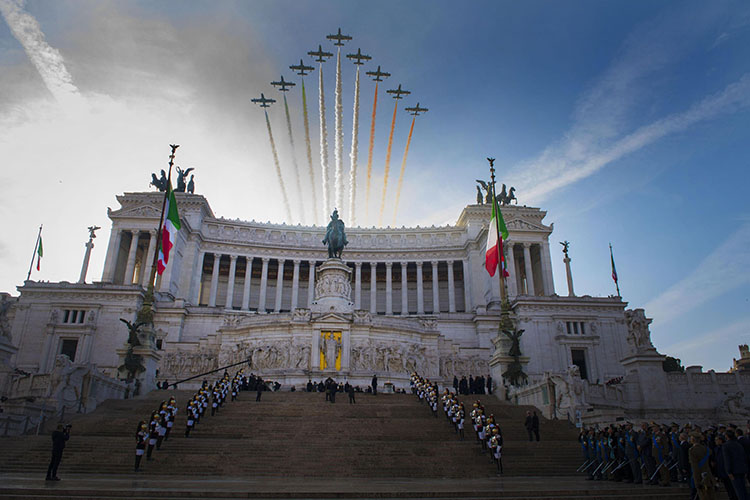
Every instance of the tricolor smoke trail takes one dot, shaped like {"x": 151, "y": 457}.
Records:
{"x": 311, "y": 171}
{"x": 353, "y": 154}
{"x": 403, "y": 168}
{"x": 278, "y": 170}
{"x": 323, "y": 143}
{"x": 339, "y": 138}
{"x": 387, "y": 164}
{"x": 369, "y": 153}
{"x": 294, "y": 161}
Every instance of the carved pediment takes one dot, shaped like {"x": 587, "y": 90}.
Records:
{"x": 329, "y": 317}
{"x": 141, "y": 212}
{"x": 524, "y": 225}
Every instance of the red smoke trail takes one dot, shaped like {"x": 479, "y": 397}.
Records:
{"x": 387, "y": 164}
{"x": 311, "y": 171}
{"x": 278, "y": 171}
{"x": 403, "y": 168}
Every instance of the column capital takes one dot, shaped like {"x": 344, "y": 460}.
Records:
{"x": 265, "y": 259}
{"x": 419, "y": 264}
{"x": 434, "y": 263}
{"x": 449, "y": 262}
{"x": 216, "y": 255}
{"x": 232, "y": 258}
{"x": 527, "y": 244}
{"x": 358, "y": 265}
{"x": 152, "y": 232}
{"x": 281, "y": 261}
{"x": 388, "y": 265}
{"x": 297, "y": 262}
{"x": 311, "y": 263}
{"x": 373, "y": 264}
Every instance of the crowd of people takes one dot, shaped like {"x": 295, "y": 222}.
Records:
{"x": 474, "y": 385}
{"x": 664, "y": 454}
{"x": 488, "y": 434}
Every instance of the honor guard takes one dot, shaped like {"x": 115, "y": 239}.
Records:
{"x": 153, "y": 434}
{"x": 496, "y": 448}
{"x": 141, "y": 436}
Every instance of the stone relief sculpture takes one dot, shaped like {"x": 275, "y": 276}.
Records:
{"x": 65, "y": 381}
{"x": 734, "y": 406}
{"x": 639, "y": 336}
{"x": 569, "y": 391}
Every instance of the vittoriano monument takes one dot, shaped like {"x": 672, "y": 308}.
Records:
{"x": 335, "y": 236}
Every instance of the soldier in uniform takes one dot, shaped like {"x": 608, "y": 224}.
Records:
{"x": 153, "y": 434}
{"x": 496, "y": 446}
{"x": 699, "y": 456}
{"x": 141, "y": 435}
{"x": 659, "y": 450}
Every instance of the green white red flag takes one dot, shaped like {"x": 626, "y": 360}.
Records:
{"x": 39, "y": 254}
{"x": 494, "y": 254}
{"x": 168, "y": 230}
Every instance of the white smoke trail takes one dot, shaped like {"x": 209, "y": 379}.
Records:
{"x": 278, "y": 171}
{"x": 369, "y": 155}
{"x": 403, "y": 169}
{"x": 339, "y": 139}
{"x": 323, "y": 143}
{"x": 301, "y": 209}
{"x": 353, "y": 154}
{"x": 47, "y": 60}
{"x": 311, "y": 171}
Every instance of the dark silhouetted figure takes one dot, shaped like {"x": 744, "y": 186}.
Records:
{"x": 59, "y": 437}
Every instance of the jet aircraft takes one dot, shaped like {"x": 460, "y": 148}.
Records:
{"x": 416, "y": 110}
{"x": 339, "y": 38}
{"x": 263, "y": 101}
{"x": 301, "y": 69}
{"x": 397, "y": 93}
{"x": 358, "y": 57}
{"x": 320, "y": 54}
{"x": 378, "y": 75}
{"x": 283, "y": 84}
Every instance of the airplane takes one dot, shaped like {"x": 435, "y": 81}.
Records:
{"x": 359, "y": 56}
{"x": 320, "y": 54}
{"x": 397, "y": 93}
{"x": 263, "y": 101}
{"x": 283, "y": 84}
{"x": 378, "y": 74}
{"x": 416, "y": 110}
{"x": 301, "y": 69}
{"x": 339, "y": 38}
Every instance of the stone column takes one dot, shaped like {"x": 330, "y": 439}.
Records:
{"x": 357, "y": 285}
{"x": 214, "y": 281}
{"x": 435, "y": 289}
{"x": 420, "y": 289}
{"x": 451, "y": 288}
{"x": 295, "y": 284}
{"x": 230, "y": 281}
{"x": 246, "y": 285}
{"x": 263, "y": 286}
{"x": 569, "y": 275}
{"x": 529, "y": 272}
{"x": 130, "y": 267}
{"x": 467, "y": 285}
{"x": 404, "y": 291}
{"x": 311, "y": 284}
{"x": 149, "y": 258}
{"x": 115, "y": 235}
{"x": 513, "y": 278}
{"x": 373, "y": 288}
{"x": 279, "y": 285}
{"x": 388, "y": 288}
{"x": 195, "y": 294}
{"x": 86, "y": 257}
{"x": 549, "y": 283}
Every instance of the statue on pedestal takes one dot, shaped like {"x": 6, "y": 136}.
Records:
{"x": 335, "y": 236}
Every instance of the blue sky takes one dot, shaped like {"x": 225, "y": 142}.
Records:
{"x": 627, "y": 121}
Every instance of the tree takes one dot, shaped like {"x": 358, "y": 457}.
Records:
{"x": 671, "y": 364}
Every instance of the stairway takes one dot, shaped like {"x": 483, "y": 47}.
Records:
{"x": 300, "y": 437}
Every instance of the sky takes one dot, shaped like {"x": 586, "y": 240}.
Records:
{"x": 627, "y": 121}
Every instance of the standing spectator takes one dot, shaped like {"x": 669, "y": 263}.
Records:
{"x": 375, "y": 384}
{"x": 351, "y": 394}
{"x": 721, "y": 469}
{"x": 535, "y": 425}
{"x": 455, "y": 384}
{"x": 489, "y": 384}
{"x": 735, "y": 463}
{"x": 59, "y": 437}
{"x": 529, "y": 424}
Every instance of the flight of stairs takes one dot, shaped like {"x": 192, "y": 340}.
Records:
{"x": 299, "y": 435}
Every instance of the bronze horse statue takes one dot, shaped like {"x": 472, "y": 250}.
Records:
{"x": 335, "y": 236}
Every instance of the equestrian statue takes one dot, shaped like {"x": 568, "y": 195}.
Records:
{"x": 335, "y": 236}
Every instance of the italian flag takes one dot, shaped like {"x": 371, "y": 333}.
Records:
{"x": 39, "y": 254}
{"x": 494, "y": 251}
{"x": 168, "y": 231}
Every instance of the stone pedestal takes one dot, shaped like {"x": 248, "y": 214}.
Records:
{"x": 645, "y": 368}
{"x": 333, "y": 288}
{"x": 150, "y": 359}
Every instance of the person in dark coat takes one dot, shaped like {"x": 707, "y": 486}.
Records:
{"x": 350, "y": 391}
{"x": 529, "y": 424}
{"x": 455, "y": 384}
{"x": 735, "y": 463}
{"x": 535, "y": 425}
{"x": 721, "y": 470}
{"x": 489, "y": 384}
{"x": 59, "y": 437}
{"x": 644, "y": 450}
{"x": 374, "y": 385}
{"x": 472, "y": 385}
{"x": 463, "y": 386}
{"x": 309, "y": 386}
{"x": 259, "y": 390}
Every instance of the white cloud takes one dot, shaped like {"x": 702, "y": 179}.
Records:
{"x": 725, "y": 269}
{"x": 47, "y": 60}
{"x": 731, "y": 335}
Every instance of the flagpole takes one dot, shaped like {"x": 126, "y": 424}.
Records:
{"x": 495, "y": 208}
{"x": 614, "y": 272}
{"x": 36, "y": 246}
{"x": 161, "y": 220}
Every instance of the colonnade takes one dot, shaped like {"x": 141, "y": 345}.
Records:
{"x": 529, "y": 267}
{"x": 146, "y": 260}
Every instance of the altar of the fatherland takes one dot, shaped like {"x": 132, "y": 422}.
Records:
{"x": 400, "y": 300}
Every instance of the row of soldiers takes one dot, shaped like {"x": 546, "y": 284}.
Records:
{"x": 157, "y": 430}
{"x": 661, "y": 454}
{"x": 488, "y": 433}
